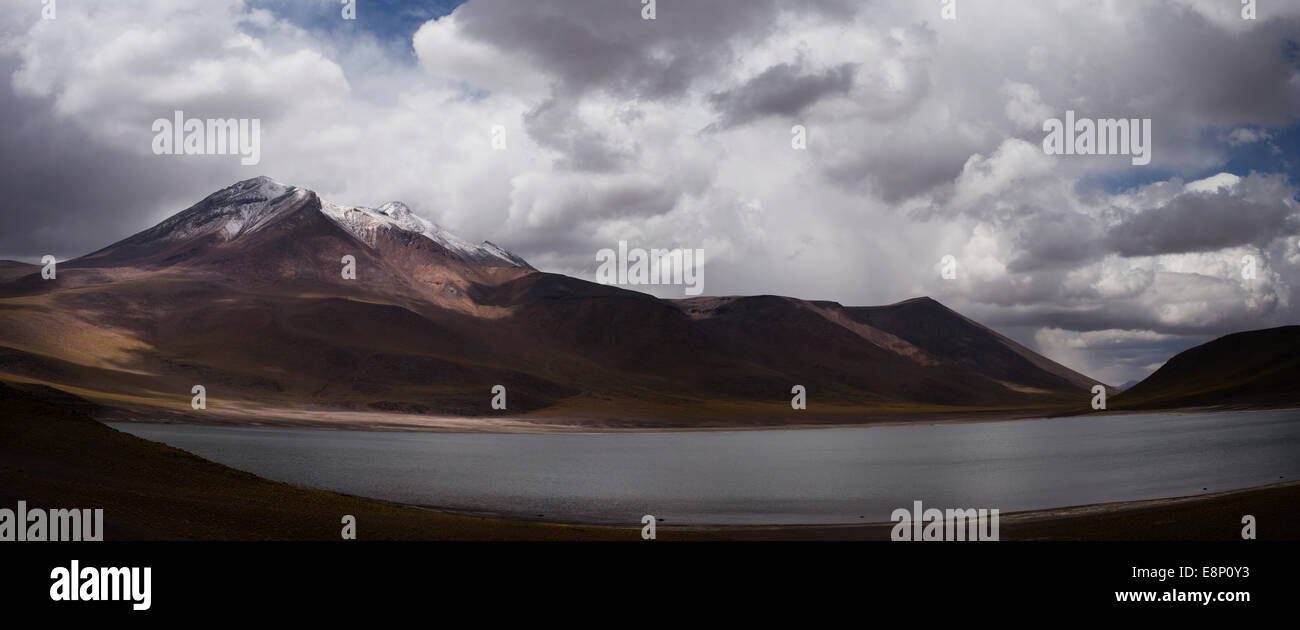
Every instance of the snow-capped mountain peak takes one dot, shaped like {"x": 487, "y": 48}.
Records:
{"x": 250, "y": 205}
{"x": 499, "y": 252}
{"x": 228, "y": 213}
{"x": 364, "y": 223}
{"x": 395, "y": 209}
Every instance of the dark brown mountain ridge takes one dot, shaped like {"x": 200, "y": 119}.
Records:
{"x": 243, "y": 294}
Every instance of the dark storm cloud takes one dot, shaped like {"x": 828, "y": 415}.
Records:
{"x": 1047, "y": 240}
{"x": 596, "y": 44}
{"x": 1230, "y": 77}
{"x": 784, "y": 89}
{"x": 580, "y": 147}
{"x": 897, "y": 168}
{"x": 66, "y": 194}
{"x": 1203, "y": 222}
{"x": 1181, "y": 68}
{"x": 1126, "y": 356}
{"x": 1120, "y": 318}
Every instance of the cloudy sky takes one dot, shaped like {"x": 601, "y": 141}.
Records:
{"x": 924, "y": 139}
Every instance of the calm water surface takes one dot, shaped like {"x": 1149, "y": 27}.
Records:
{"x": 772, "y": 477}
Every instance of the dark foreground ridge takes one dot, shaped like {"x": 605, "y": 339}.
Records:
{"x": 56, "y": 457}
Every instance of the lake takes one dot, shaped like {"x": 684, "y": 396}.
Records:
{"x": 849, "y": 475}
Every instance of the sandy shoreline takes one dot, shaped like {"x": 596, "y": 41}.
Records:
{"x": 1012, "y": 519}
{"x": 1210, "y": 516}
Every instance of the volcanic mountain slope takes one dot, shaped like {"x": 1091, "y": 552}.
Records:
{"x": 261, "y": 233}
{"x": 1258, "y": 368}
{"x": 956, "y": 340}
{"x": 243, "y": 294}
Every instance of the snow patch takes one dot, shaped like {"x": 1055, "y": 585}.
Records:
{"x": 365, "y": 223}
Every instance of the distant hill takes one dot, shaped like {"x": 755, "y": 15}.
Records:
{"x": 1258, "y": 368}
{"x": 954, "y": 339}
